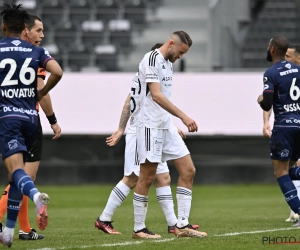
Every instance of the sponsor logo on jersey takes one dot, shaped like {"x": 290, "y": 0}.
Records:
{"x": 16, "y": 42}
{"x": 288, "y": 65}
{"x": 12, "y": 144}
{"x": 167, "y": 78}
{"x": 19, "y": 110}
{"x": 284, "y": 153}
{"x": 9, "y": 49}
{"x": 18, "y": 93}
{"x": 163, "y": 67}
{"x": 283, "y": 73}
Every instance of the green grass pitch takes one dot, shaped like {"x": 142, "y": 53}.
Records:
{"x": 234, "y": 216}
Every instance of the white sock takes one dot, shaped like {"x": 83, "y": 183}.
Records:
{"x": 36, "y": 197}
{"x": 165, "y": 200}
{"x": 8, "y": 231}
{"x": 140, "y": 206}
{"x": 184, "y": 201}
{"x": 116, "y": 198}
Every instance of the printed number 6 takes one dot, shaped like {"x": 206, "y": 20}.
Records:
{"x": 293, "y": 89}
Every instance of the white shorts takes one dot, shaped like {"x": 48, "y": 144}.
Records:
{"x": 131, "y": 164}
{"x": 160, "y": 145}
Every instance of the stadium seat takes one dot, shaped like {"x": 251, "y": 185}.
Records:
{"x": 78, "y": 59}
{"x": 92, "y": 33}
{"x": 80, "y": 10}
{"x": 66, "y": 37}
{"x": 135, "y": 11}
{"x": 120, "y": 34}
{"x": 106, "y": 57}
{"x": 107, "y": 9}
{"x": 28, "y": 5}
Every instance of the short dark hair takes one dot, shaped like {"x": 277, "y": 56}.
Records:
{"x": 156, "y": 46}
{"x": 14, "y": 18}
{"x": 281, "y": 43}
{"x": 30, "y": 22}
{"x": 296, "y": 47}
{"x": 184, "y": 37}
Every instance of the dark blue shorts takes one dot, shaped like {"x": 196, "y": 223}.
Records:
{"x": 16, "y": 136}
{"x": 35, "y": 152}
{"x": 285, "y": 144}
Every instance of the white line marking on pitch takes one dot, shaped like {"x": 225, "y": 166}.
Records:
{"x": 256, "y": 232}
{"x": 128, "y": 243}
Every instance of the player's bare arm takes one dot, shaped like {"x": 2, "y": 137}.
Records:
{"x": 55, "y": 76}
{"x": 267, "y": 126}
{"x": 166, "y": 104}
{"x": 116, "y": 136}
{"x": 46, "y": 106}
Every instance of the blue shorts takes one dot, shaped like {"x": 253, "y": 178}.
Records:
{"x": 285, "y": 144}
{"x": 16, "y": 136}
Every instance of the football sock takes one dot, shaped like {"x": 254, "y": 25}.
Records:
{"x": 3, "y": 202}
{"x": 294, "y": 173}
{"x": 290, "y": 192}
{"x": 13, "y": 205}
{"x": 116, "y": 198}
{"x": 184, "y": 201}
{"x": 24, "y": 183}
{"x": 23, "y": 215}
{"x": 140, "y": 206}
{"x": 165, "y": 200}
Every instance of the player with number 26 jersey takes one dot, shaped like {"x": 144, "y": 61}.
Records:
{"x": 283, "y": 81}
{"x": 19, "y": 61}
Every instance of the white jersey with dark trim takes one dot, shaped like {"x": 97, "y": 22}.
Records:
{"x": 134, "y": 104}
{"x": 154, "y": 68}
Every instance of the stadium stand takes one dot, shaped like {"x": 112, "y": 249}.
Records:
{"x": 269, "y": 18}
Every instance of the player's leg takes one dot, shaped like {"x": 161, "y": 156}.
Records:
{"x": 149, "y": 158}
{"x": 284, "y": 148}
{"x": 164, "y": 195}
{"x": 31, "y": 167}
{"x": 3, "y": 203}
{"x": 122, "y": 189}
{"x": 176, "y": 150}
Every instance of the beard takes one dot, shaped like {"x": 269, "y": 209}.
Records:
{"x": 269, "y": 56}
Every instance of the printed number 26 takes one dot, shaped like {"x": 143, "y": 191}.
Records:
{"x": 13, "y": 66}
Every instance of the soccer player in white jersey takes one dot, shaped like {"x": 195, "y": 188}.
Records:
{"x": 292, "y": 55}
{"x": 131, "y": 167}
{"x": 158, "y": 140}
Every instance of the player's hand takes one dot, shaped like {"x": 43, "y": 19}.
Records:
{"x": 190, "y": 123}
{"x": 260, "y": 98}
{"x": 57, "y": 131}
{"x": 180, "y": 132}
{"x": 114, "y": 138}
{"x": 267, "y": 130}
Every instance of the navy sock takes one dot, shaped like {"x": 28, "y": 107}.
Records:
{"x": 294, "y": 173}
{"x": 290, "y": 192}
{"x": 24, "y": 183}
{"x": 13, "y": 205}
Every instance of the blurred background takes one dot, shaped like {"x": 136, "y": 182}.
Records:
{"x": 99, "y": 44}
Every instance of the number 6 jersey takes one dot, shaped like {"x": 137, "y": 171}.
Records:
{"x": 19, "y": 61}
{"x": 283, "y": 81}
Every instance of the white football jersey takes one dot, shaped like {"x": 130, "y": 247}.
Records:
{"x": 154, "y": 68}
{"x": 134, "y": 104}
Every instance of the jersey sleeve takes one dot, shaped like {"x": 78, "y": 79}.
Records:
{"x": 269, "y": 83}
{"x": 41, "y": 73}
{"x": 151, "y": 67}
{"x": 45, "y": 57}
